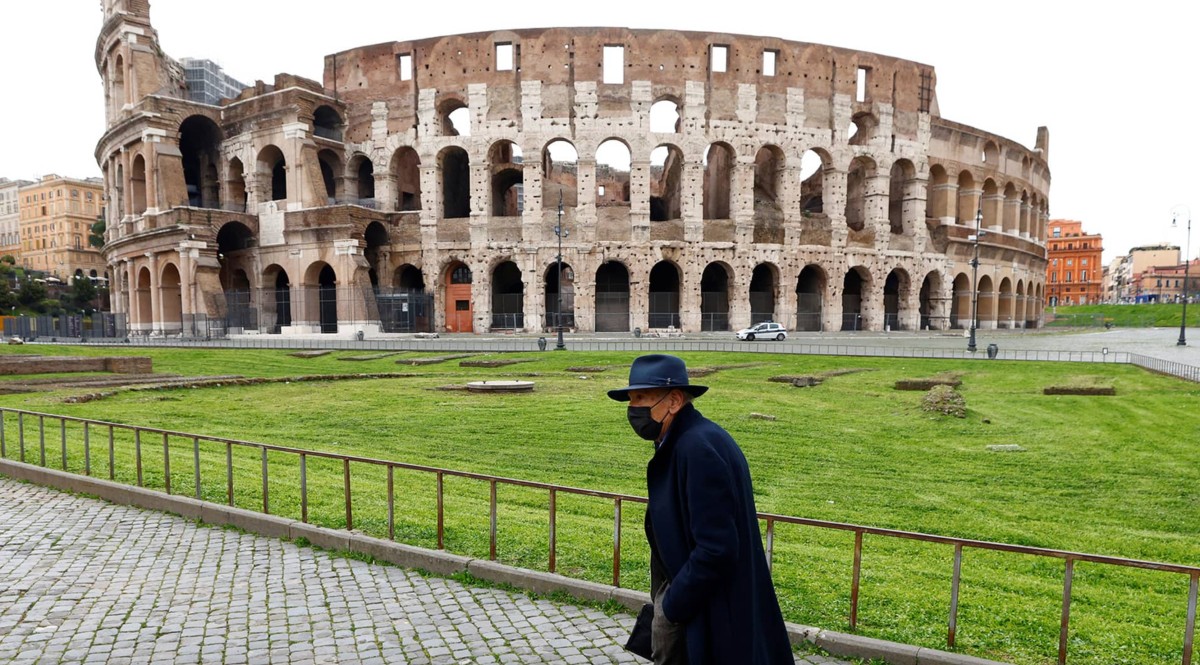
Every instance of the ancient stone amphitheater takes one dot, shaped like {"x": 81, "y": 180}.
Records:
{"x": 699, "y": 181}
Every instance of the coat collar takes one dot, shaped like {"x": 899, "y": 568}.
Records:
{"x": 679, "y": 424}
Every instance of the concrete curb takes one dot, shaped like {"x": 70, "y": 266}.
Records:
{"x": 445, "y": 563}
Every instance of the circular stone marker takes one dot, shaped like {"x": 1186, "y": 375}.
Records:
{"x": 500, "y": 386}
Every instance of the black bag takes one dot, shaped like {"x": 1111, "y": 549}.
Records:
{"x": 639, "y": 637}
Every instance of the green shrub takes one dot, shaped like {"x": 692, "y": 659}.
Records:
{"x": 945, "y": 400}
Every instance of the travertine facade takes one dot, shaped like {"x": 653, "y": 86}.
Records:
{"x": 703, "y": 181}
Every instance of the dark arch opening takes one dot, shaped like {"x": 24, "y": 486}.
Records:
{"x": 376, "y": 236}
{"x": 200, "y": 150}
{"x": 612, "y": 298}
{"x": 456, "y": 184}
{"x": 327, "y": 299}
{"x": 327, "y": 123}
{"x": 714, "y": 298}
{"x": 762, "y": 294}
{"x": 508, "y": 295}
{"x": 664, "y": 295}
{"x": 852, "y": 287}
{"x": 553, "y": 306}
{"x": 810, "y": 290}
{"x": 891, "y": 302}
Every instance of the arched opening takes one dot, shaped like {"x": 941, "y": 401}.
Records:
{"x": 862, "y": 129}
{"x": 508, "y": 178}
{"x": 666, "y": 173}
{"x": 363, "y": 172}
{"x": 455, "y": 166}
{"x": 1004, "y": 308}
{"x": 985, "y": 311}
{"x": 272, "y": 168}
{"x": 664, "y": 295}
{"x": 810, "y": 298}
{"x": 456, "y": 117}
{"x": 236, "y": 185}
{"x": 937, "y": 202}
{"x": 458, "y": 298}
{"x": 762, "y": 293}
{"x": 406, "y": 166}
{"x": 137, "y": 182}
{"x": 768, "y": 186}
{"x": 613, "y": 160}
{"x": 118, "y": 98}
{"x": 560, "y": 175}
{"x": 327, "y": 123}
{"x": 718, "y": 176}
{"x": 277, "y": 294}
{"x": 171, "y": 299}
{"x": 992, "y": 201}
{"x": 1012, "y": 209}
{"x": 376, "y": 237}
{"x": 612, "y": 297}
{"x": 323, "y": 299}
{"x": 409, "y": 278}
{"x": 960, "y": 304}
{"x": 665, "y": 117}
{"x": 932, "y": 313}
{"x": 234, "y": 242}
{"x": 331, "y": 172}
{"x": 968, "y": 199}
{"x": 895, "y": 292}
{"x": 405, "y": 307}
{"x": 559, "y": 312}
{"x": 145, "y": 311}
{"x": 200, "y": 151}
{"x": 714, "y": 297}
{"x": 508, "y": 296}
{"x": 990, "y": 155}
{"x": 861, "y": 171}
{"x": 902, "y": 183}
{"x": 853, "y": 287}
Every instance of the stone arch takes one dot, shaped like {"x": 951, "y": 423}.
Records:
{"x": 863, "y": 126}
{"x": 321, "y": 296}
{"x": 1005, "y": 305}
{"x": 376, "y": 238}
{"x": 896, "y": 289}
{"x": 858, "y": 177}
{"x": 507, "y": 178}
{"x": 1012, "y": 209}
{"x": 328, "y": 123}
{"x": 937, "y": 203}
{"x": 768, "y": 188}
{"x": 666, "y": 183}
{"x": 170, "y": 298}
{"x": 811, "y": 287}
{"x": 613, "y": 164}
{"x": 455, "y": 116}
{"x": 235, "y": 186}
{"x": 715, "y": 284}
{"x": 856, "y": 284}
{"x": 665, "y": 117}
{"x": 508, "y": 297}
{"x": 137, "y": 182}
{"x": 408, "y": 278}
{"x": 992, "y": 202}
{"x": 272, "y": 173}
{"x": 985, "y": 307}
{"x": 814, "y": 163}
{"x": 664, "y": 290}
{"x": 455, "y": 167}
{"x": 1024, "y": 227}
{"x": 559, "y": 313}
{"x": 118, "y": 95}
{"x": 931, "y": 304}
{"x": 200, "y": 151}
{"x": 277, "y": 297}
{"x": 990, "y": 154}
{"x": 968, "y": 198}
{"x": 960, "y": 304}
{"x": 145, "y": 308}
{"x": 612, "y": 297}
{"x": 330, "y": 164}
{"x": 560, "y": 174}
{"x": 406, "y": 168}
{"x": 719, "y": 160}
{"x": 362, "y": 180}
{"x": 764, "y": 291}
{"x": 456, "y": 281}
{"x": 902, "y": 188}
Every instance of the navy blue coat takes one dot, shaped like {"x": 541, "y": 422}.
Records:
{"x": 702, "y": 523}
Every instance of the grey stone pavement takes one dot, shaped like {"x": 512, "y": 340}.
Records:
{"x": 85, "y": 581}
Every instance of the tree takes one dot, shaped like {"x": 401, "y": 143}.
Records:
{"x": 96, "y": 237}
{"x": 32, "y": 293}
{"x": 83, "y": 293}
{"x": 9, "y": 259}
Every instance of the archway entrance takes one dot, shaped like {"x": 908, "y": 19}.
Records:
{"x": 508, "y": 294}
{"x": 459, "y": 315}
{"x": 852, "y": 290}
{"x": 762, "y": 294}
{"x": 714, "y": 298}
{"x": 567, "y": 318}
{"x": 612, "y": 298}
{"x": 810, "y": 289}
{"x": 327, "y": 299}
{"x": 664, "y": 295}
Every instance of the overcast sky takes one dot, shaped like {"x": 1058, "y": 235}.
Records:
{"x": 1118, "y": 84}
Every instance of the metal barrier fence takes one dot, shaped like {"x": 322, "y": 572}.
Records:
{"x": 440, "y": 474}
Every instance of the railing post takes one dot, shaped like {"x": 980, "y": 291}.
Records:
{"x": 1190, "y": 630}
{"x": 137, "y": 447}
{"x": 617, "y": 543}
{"x": 196, "y": 464}
{"x": 112, "y": 472}
{"x": 441, "y": 516}
{"x": 229, "y": 473}
{"x": 492, "y": 520}
{"x": 62, "y": 426}
{"x": 304, "y": 488}
{"x": 167, "y": 462}
{"x": 858, "y": 538}
{"x": 21, "y": 434}
{"x": 346, "y": 492}
{"x": 3, "y": 443}
{"x": 87, "y": 448}
{"x": 391, "y": 501}
{"x": 266, "y": 502}
{"x": 553, "y": 529}
{"x": 770, "y": 541}
{"x": 1066, "y": 612}
{"x": 954, "y": 594}
{"x": 42, "y": 441}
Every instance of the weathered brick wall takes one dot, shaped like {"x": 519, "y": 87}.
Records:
{"x": 10, "y": 365}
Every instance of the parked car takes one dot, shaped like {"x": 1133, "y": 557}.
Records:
{"x": 764, "y": 330}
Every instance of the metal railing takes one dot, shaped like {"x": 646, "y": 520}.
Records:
{"x": 553, "y": 491}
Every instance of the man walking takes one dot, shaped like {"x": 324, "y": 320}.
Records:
{"x": 714, "y": 602}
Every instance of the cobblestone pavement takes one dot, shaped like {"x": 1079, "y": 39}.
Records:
{"x": 85, "y": 581}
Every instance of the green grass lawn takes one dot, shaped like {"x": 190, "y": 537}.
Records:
{"x": 1109, "y": 475}
{"x": 1143, "y": 315}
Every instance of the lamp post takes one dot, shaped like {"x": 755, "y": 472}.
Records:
{"x": 979, "y": 232}
{"x": 1187, "y": 246}
{"x": 560, "y": 232}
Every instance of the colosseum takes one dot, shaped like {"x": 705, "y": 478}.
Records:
{"x": 598, "y": 179}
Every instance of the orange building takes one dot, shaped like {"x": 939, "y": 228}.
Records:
{"x": 1074, "y": 274}
{"x": 56, "y": 217}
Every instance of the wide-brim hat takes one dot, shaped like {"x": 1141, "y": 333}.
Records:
{"x": 657, "y": 371}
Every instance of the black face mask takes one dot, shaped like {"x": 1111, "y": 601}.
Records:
{"x": 643, "y": 423}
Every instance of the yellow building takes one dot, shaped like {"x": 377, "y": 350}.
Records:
{"x": 57, "y": 214}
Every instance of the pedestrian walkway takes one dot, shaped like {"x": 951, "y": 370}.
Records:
{"x": 85, "y": 581}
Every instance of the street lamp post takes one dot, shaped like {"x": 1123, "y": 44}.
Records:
{"x": 560, "y": 232}
{"x": 979, "y": 232}
{"x": 1187, "y": 248}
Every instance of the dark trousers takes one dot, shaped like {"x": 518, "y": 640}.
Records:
{"x": 668, "y": 641}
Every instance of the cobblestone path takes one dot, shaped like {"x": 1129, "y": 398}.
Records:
{"x": 85, "y": 581}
